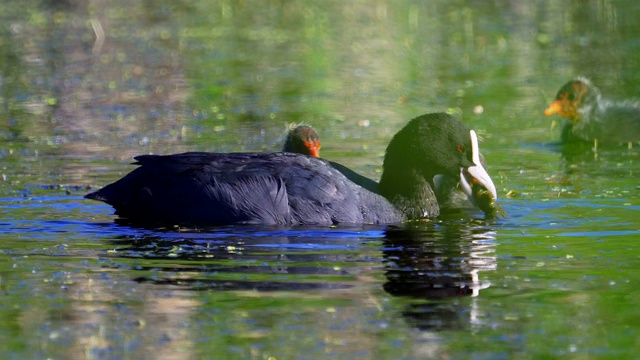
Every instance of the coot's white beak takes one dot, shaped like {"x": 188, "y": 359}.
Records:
{"x": 476, "y": 173}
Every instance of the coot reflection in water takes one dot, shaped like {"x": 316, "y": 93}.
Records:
{"x": 267, "y": 259}
{"x": 437, "y": 263}
{"x": 433, "y": 264}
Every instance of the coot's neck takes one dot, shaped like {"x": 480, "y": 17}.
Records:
{"x": 409, "y": 192}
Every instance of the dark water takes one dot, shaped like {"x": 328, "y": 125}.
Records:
{"x": 84, "y": 86}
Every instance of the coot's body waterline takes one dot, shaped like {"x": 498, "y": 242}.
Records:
{"x": 293, "y": 189}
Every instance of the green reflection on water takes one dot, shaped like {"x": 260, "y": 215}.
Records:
{"x": 226, "y": 76}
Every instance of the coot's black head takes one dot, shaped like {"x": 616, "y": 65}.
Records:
{"x": 432, "y": 145}
{"x": 571, "y": 97}
{"x": 302, "y": 139}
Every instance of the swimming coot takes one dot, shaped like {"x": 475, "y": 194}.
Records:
{"x": 593, "y": 118}
{"x": 201, "y": 188}
{"x": 302, "y": 139}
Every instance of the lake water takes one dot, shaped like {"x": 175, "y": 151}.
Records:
{"x": 84, "y": 86}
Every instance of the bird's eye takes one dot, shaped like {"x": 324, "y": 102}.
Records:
{"x": 460, "y": 148}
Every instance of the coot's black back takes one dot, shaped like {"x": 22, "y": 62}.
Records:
{"x": 242, "y": 188}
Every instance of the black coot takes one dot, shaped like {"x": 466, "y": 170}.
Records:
{"x": 200, "y": 188}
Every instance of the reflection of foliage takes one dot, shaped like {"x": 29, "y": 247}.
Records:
{"x": 11, "y": 85}
{"x": 246, "y": 73}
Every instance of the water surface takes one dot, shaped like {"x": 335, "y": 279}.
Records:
{"x": 84, "y": 86}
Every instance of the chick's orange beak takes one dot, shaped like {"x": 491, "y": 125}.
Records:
{"x": 554, "y": 108}
{"x": 313, "y": 147}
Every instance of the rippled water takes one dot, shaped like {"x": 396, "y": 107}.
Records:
{"x": 556, "y": 277}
